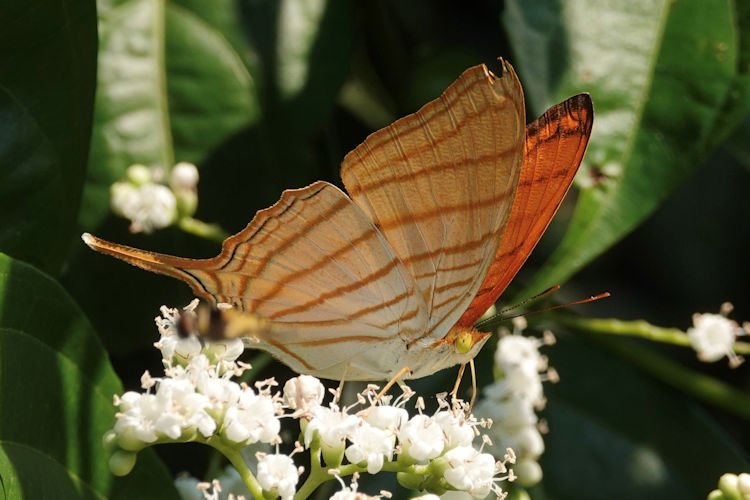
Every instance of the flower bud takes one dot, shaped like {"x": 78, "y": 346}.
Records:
{"x": 303, "y": 393}
{"x": 138, "y": 175}
{"x": 528, "y": 472}
{"x": 122, "y": 462}
{"x": 183, "y": 177}
{"x": 187, "y": 202}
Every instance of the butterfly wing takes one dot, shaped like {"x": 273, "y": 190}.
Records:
{"x": 319, "y": 269}
{"x": 440, "y": 183}
{"x": 555, "y": 145}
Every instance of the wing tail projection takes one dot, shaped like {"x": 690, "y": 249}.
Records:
{"x": 150, "y": 261}
{"x": 554, "y": 147}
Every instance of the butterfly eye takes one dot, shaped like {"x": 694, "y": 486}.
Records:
{"x": 464, "y": 342}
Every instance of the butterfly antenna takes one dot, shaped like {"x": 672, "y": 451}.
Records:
{"x": 522, "y": 303}
{"x": 603, "y": 295}
{"x": 530, "y": 299}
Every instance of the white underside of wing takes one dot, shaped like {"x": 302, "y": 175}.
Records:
{"x": 330, "y": 283}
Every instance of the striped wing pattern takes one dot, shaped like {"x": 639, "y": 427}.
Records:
{"x": 318, "y": 268}
{"x": 554, "y": 148}
{"x": 440, "y": 183}
{"x": 360, "y": 287}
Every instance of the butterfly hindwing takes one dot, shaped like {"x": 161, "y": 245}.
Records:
{"x": 315, "y": 266}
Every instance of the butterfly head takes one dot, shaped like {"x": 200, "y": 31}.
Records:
{"x": 463, "y": 340}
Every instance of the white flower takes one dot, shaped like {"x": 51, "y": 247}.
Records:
{"x": 370, "y": 444}
{"x": 224, "y": 350}
{"x": 157, "y": 208}
{"x": 148, "y": 207}
{"x": 220, "y": 392}
{"x": 516, "y": 352}
{"x": 124, "y": 198}
{"x": 184, "y": 176}
{"x": 743, "y": 485}
{"x": 174, "y": 408}
{"x": 387, "y": 417}
{"x": 187, "y": 409}
{"x": 184, "y": 349}
{"x": 518, "y": 384}
{"x": 470, "y": 470}
{"x": 170, "y": 343}
{"x": 458, "y": 432}
{"x": 135, "y": 425}
{"x": 252, "y": 419}
{"x": 712, "y": 336}
{"x": 303, "y": 393}
{"x": 526, "y": 441}
{"x": 333, "y": 425}
{"x": 351, "y": 494}
{"x": 421, "y": 438}
{"x": 510, "y": 401}
{"x": 511, "y": 413}
{"x": 278, "y": 473}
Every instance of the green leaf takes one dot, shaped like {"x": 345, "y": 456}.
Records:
{"x": 170, "y": 88}
{"x": 661, "y": 75}
{"x": 625, "y": 435}
{"x": 225, "y": 17}
{"x": 47, "y": 76}
{"x": 739, "y": 142}
{"x": 56, "y": 388}
{"x": 131, "y": 121}
{"x": 211, "y": 94}
{"x": 305, "y": 49}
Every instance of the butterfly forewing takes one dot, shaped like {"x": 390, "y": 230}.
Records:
{"x": 554, "y": 147}
{"x": 440, "y": 183}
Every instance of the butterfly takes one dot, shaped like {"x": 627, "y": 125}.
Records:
{"x": 443, "y": 208}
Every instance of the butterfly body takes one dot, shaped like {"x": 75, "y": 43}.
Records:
{"x": 444, "y": 206}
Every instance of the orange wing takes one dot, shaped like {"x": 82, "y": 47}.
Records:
{"x": 554, "y": 148}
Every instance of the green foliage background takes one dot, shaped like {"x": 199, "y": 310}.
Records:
{"x": 266, "y": 95}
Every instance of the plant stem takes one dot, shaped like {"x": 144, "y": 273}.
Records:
{"x": 202, "y": 229}
{"x": 638, "y": 328}
{"x": 317, "y": 476}
{"x": 235, "y": 457}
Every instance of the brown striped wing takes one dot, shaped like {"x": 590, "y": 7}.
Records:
{"x": 555, "y": 145}
{"x": 440, "y": 183}
{"x": 318, "y": 268}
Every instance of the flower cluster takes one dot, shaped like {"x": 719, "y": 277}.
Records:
{"x": 197, "y": 400}
{"x": 150, "y": 200}
{"x": 732, "y": 487}
{"x": 713, "y": 336}
{"x": 512, "y": 399}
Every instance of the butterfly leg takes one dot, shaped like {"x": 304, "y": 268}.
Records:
{"x": 403, "y": 371}
{"x": 461, "y": 370}
{"x": 454, "y": 392}
{"x": 473, "y": 385}
{"x": 340, "y": 389}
